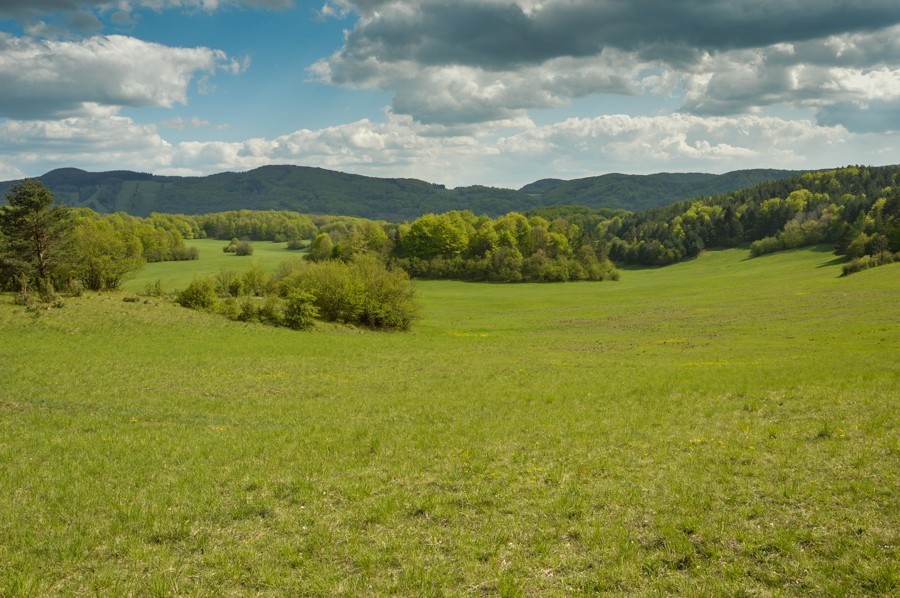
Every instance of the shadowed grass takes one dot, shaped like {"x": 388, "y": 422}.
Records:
{"x": 715, "y": 427}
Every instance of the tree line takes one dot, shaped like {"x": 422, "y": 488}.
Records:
{"x": 45, "y": 246}
{"x": 856, "y": 209}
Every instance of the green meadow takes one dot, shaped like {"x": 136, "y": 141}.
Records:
{"x": 722, "y": 426}
{"x": 177, "y": 275}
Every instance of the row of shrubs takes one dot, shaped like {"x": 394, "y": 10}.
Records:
{"x": 869, "y": 261}
{"x": 360, "y": 292}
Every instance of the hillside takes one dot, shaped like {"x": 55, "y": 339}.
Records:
{"x": 723, "y": 426}
{"x": 320, "y": 191}
{"x": 639, "y": 192}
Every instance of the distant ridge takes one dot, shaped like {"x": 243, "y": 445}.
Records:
{"x": 320, "y": 191}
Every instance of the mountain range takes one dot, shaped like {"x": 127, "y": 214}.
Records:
{"x": 320, "y": 191}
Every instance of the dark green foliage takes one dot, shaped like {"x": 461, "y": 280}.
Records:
{"x": 854, "y": 208}
{"x": 185, "y": 254}
{"x": 298, "y": 244}
{"x": 641, "y": 192}
{"x": 35, "y": 235}
{"x": 318, "y": 191}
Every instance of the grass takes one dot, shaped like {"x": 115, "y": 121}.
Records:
{"x": 721, "y": 426}
{"x": 177, "y": 275}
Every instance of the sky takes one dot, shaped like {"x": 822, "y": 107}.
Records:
{"x": 490, "y": 92}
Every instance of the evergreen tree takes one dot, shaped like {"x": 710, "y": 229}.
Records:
{"x": 36, "y": 232}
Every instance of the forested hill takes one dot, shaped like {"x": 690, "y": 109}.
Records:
{"x": 319, "y": 191}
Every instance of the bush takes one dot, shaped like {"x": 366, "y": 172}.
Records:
{"x": 255, "y": 281}
{"x": 243, "y": 248}
{"x": 153, "y": 289}
{"x": 362, "y": 292}
{"x": 869, "y": 261}
{"x": 765, "y": 245}
{"x": 200, "y": 294}
{"x": 229, "y": 284}
{"x": 298, "y": 244}
{"x": 300, "y": 312}
{"x": 185, "y": 254}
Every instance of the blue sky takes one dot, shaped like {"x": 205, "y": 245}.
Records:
{"x": 495, "y": 92}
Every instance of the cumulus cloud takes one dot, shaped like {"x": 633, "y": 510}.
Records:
{"x": 483, "y": 60}
{"x": 43, "y": 78}
{"x": 402, "y": 146}
{"x": 677, "y": 141}
{"x": 855, "y": 71}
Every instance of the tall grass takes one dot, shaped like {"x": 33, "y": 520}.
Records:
{"x": 721, "y": 426}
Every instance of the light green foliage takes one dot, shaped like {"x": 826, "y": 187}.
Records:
{"x": 200, "y": 294}
{"x": 101, "y": 256}
{"x": 321, "y": 249}
{"x": 252, "y": 224}
{"x": 300, "y": 311}
{"x": 687, "y": 431}
{"x": 445, "y": 235}
{"x": 239, "y": 247}
{"x": 255, "y": 280}
{"x": 177, "y": 275}
{"x": 512, "y": 248}
{"x": 362, "y": 291}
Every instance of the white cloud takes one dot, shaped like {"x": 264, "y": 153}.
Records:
{"x": 483, "y": 60}
{"x": 857, "y": 69}
{"x": 43, "y": 78}
{"x": 678, "y": 142}
{"x": 399, "y": 146}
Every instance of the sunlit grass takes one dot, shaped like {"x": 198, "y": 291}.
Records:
{"x": 722, "y": 426}
{"x": 177, "y": 275}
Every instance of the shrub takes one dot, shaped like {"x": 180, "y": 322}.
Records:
{"x": 363, "y": 292}
{"x": 869, "y": 261}
{"x": 298, "y": 244}
{"x": 153, "y": 289}
{"x": 300, "y": 312}
{"x": 765, "y": 245}
{"x": 200, "y": 294}
{"x": 184, "y": 254}
{"x": 243, "y": 248}
{"x": 388, "y": 296}
{"x": 229, "y": 284}
{"x": 255, "y": 281}
{"x": 270, "y": 311}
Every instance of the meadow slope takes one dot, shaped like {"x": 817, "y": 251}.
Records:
{"x": 722, "y": 425}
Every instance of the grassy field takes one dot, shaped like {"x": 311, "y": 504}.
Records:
{"x": 721, "y": 426}
{"x": 177, "y": 275}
